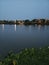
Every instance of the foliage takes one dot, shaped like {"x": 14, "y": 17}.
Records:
{"x": 26, "y": 22}
{"x": 28, "y": 56}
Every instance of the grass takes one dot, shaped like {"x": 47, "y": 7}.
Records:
{"x": 28, "y": 56}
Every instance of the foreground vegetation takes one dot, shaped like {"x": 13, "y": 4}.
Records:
{"x": 26, "y": 22}
{"x": 28, "y": 56}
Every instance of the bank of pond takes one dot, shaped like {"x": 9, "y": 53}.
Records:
{"x": 26, "y": 22}
{"x": 28, "y": 56}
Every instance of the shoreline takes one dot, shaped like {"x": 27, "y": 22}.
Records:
{"x": 26, "y": 22}
{"x": 32, "y": 56}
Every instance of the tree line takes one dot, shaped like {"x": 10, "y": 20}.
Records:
{"x": 26, "y": 22}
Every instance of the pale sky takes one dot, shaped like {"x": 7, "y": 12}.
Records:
{"x": 24, "y": 9}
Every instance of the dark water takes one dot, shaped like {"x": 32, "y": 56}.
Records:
{"x": 15, "y": 37}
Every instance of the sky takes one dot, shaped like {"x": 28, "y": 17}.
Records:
{"x": 24, "y": 9}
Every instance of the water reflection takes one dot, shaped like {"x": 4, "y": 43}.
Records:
{"x": 26, "y": 28}
{"x": 39, "y": 27}
{"x": 23, "y": 36}
{"x": 46, "y": 27}
{"x": 15, "y": 27}
{"x": 23, "y": 27}
{"x": 42, "y": 27}
{"x": 3, "y": 27}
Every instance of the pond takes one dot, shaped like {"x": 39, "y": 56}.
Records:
{"x": 16, "y": 37}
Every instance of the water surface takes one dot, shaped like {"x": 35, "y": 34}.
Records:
{"x": 14, "y": 37}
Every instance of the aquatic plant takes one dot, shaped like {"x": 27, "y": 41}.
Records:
{"x": 28, "y": 56}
